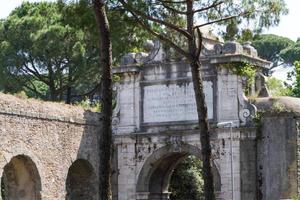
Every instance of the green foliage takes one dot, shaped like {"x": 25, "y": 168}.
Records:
{"x": 39, "y": 48}
{"x": 277, "y": 88}
{"x": 269, "y": 46}
{"x": 50, "y": 50}
{"x": 258, "y": 13}
{"x": 186, "y": 181}
{"x": 278, "y": 107}
{"x": 257, "y": 119}
{"x": 246, "y": 35}
{"x": 126, "y": 36}
{"x": 243, "y": 69}
{"x": 296, "y": 85}
{"x": 89, "y": 105}
{"x": 291, "y": 54}
{"x": 21, "y": 95}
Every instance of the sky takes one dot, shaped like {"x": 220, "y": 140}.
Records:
{"x": 288, "y": 27}
{"x": 289, "y": 24}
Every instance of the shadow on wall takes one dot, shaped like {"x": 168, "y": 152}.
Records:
{"x": 82, "y": 178}
{"x": 81, "y": 181}
{"x": 20, "y": 180}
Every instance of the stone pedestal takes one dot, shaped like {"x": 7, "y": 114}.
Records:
{"x": 159, "y": 196}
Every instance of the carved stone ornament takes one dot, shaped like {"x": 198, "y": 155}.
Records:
{"x": 116, "y": 111}
{"x": 176, "y": 142}
{"x": 247, "y": 110}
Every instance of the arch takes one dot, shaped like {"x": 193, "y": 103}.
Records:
{"x": 156, "y": 172}
{"x": 20, "y": 180}
{"x": 81, "y": 181}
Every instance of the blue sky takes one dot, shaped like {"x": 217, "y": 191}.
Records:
{"x": 288, "y": 27}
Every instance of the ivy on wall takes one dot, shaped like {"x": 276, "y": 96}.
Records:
{"x": 243, "y": 69}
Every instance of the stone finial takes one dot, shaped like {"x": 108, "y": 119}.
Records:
{"x": 232, "y": 47}
{"x": 249, "y": 49}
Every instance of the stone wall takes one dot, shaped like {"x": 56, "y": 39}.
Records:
{"x": 277, "y": 148}
{"x": 248, "y": 164}
{"x": 277, "y": 157}
{"x": 46, "y": 138}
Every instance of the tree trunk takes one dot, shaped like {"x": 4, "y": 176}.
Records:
{"x": 69, "y": 94}
{"x": 204, "y": 130}
{"x": 105, "y": 138}
{"x": 69, "y": 89}
{"x": 195, "y": 65}
{"x": 53, "y": 96}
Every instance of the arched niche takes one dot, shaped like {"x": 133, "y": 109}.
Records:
{"x": 154, "y": 177}
{"x": 20, "y": 180}
{"x": 81, "y": 181}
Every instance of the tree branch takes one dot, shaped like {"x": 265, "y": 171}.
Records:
{"x": 36, "y": 74}
{"x": 143, "y": 15}
{"x": 171, "y": 8}
{"x": 174, "y": 1}
{"x": 215, "y": 4}
{"x": 220, "y": 20}
{"x": 161, "y": 37}
{"x": 89, "y": 93}
{"x": 28, "y": 87}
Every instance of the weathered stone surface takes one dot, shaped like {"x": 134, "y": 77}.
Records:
{"x": 250, "y": 50}
{"x": 50, "y": 151}
{"x": 173, "y": 102}
{"x": 52, "y": 136}
{"x": 232, "y": 47}
{"x": 277, "y": 157}
{"x": 157, "y": 126}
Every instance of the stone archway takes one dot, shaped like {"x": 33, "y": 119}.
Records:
{"x": 20, "y": 180}
{"x": 154, "y": 177}
{"x": 81, "y": 181}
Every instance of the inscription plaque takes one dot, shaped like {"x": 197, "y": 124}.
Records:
{"x": 173, "y": 102}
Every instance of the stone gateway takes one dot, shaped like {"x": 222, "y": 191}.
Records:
{"x": 155, "y": 127}
{"x": 49, "y": 151}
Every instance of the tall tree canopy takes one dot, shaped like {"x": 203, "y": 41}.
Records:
{"x": 50, "y": 50}
{"x": 291, "y": 54}
{"x": 269, "y": 47}
{"x": 38, "y": 47}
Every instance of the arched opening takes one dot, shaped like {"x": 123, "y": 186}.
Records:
{"x": 155, "y": 176}
{"x": 81, "y": 181}
{"x": 20, "y": 180}
{"x": 187, "y": 181}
